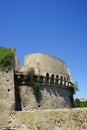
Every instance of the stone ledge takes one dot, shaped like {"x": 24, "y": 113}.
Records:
{"x": 60, "y": 119}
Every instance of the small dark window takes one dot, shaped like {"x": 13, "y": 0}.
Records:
{"x": 6, "y": 71}
{"x": 39, "y": 106}
{"x": 8, "y": 90}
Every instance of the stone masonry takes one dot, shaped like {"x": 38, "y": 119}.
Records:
{"x": 30, "y": 96}
{"x": 55, "y": 88}
{"x": 7, "y": 96}
{"x": 54, "y": 79}
{"x": 54, "y": 119}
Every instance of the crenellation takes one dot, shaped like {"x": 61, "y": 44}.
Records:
{"x": 46, "y": 80}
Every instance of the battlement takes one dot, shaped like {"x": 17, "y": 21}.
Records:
{"x": 22, "y": 79}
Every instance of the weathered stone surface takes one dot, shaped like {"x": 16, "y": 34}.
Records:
{"x": 7, "y": 96}
{"x": 61, "y": 119}
{"x": 50, "y": 97}
{"x": 43, "y": 63}
{"x": 4, "y": 117}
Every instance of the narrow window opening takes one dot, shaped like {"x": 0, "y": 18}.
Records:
{"x": 39, "y": 106}
{"x": 6, "y": 71}
{"x": 8, "y": 90}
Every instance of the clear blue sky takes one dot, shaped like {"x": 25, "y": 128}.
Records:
{"x": 56, "y": 27}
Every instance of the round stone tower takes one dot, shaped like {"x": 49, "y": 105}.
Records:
{"x": 43, "y": 64}
{"x": 55, "y": 83}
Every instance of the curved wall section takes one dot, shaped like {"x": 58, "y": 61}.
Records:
{"x": 50, "y": 97}
{"x": 43, "y": 63}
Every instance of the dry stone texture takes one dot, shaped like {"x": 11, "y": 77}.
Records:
{"x": 50, "y": 97}
{"x": 7, "y": 96}
{"x": 61, "y": 119}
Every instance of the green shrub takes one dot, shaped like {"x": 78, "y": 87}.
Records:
{"x": 6, "y": 57}
{"x": 36, "y": 90}
{"x": 78, "y": 103}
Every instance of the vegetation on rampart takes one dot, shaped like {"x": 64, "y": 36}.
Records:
{"x": 36, "y": 90}
{"x": 6, "y": 57}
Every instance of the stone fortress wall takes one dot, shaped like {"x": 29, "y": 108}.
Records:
{"x": 55, "y": 85}
{"x": 7, "y": 93}
{"x": 50, "y": 96}
{"x": 7, "y": 96}
{"x": 19, "y": 108}
{"x": 54, "y": 119}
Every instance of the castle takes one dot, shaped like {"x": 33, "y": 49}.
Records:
{"x": 44, "y": 82}
{"x": 32, "y": 97}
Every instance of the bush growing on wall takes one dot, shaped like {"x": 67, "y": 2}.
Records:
{"x": 36, "y": 90}
{"x": 6, "y": 57}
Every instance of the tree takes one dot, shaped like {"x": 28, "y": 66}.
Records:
{"x": 76, "y": 87}
{"x": 77, "y": 103}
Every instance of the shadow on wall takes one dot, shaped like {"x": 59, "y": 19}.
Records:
{"x": 60, "y": 92}
{"x": 18, "y": 106}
